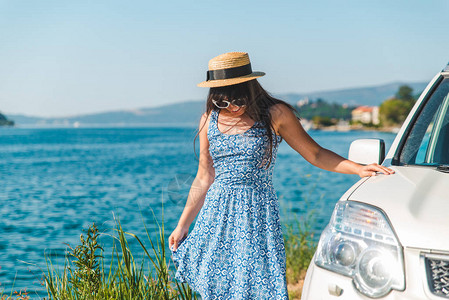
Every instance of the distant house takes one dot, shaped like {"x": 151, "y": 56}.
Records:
{"x": 302, "y": 102}
{"x": 366, "y": 114}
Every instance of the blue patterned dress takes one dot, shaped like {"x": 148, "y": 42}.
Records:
{"x": 236, "y": 248}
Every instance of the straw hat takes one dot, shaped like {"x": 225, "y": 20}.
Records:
{"x": 228, "y": 69}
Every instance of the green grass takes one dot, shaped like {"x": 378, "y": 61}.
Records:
{"x": 85, "y": 276}
{"x": 299, "y": 250}
{"x": 300, "y": 245}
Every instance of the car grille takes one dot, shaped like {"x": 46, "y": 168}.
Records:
{"x": 438, "y": 275}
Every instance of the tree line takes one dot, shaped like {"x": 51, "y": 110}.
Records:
{"x": 392, "y": 112}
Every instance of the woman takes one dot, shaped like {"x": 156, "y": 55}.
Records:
{"x": 236, "y": 248}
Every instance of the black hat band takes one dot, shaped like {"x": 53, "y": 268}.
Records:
{"x": 229, "y": 73}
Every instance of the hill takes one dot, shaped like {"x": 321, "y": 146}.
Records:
{"x": 322, "y": 108}
{"x": 184, "y": 113}
{"x": 189, "y": 112}
{"x": 5, "y": 122}
{"x": 371, "y": 96}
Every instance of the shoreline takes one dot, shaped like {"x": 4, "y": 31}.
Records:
{"x": 336, "y": 128}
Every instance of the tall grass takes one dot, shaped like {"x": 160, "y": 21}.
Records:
{"x": 85, "y": 276}
{"x": 300, "y": 246}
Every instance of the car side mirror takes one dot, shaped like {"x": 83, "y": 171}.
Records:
{"x": 367, "y": 151}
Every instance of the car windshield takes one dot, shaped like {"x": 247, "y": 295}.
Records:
{"x": 427, "y": 143}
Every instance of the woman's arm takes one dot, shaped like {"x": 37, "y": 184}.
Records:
{"x": 201, "y": 183}
{"x": 288, "y": 126}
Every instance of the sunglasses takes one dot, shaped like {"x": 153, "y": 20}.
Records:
{"x": 225, "y": 104}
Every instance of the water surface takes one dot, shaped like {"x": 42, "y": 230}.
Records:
{"x": 55, "y": 182}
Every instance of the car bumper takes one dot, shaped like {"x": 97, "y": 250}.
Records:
{"x": 323, "y": 284}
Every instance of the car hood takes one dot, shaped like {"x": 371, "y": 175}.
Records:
{"x": 416, "y": 200}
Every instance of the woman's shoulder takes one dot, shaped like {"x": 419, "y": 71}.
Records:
{"x": 279, "y": 109}
{"x": 206, "y": 119}
{"x": 207, "y": 115}
{"x": 281, "y": 112}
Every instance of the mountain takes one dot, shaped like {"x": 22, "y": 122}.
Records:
{"x": 371, "y": 96}
{"x": 183, "y": 113}
{"x": 189, "y": 112}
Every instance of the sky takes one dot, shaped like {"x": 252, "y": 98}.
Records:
{"x": 64, "y": 58}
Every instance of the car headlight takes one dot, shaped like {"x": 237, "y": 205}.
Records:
{"x": 360, "y": 243}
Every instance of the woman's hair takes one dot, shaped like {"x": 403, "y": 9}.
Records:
{"x": 258, "y": 104}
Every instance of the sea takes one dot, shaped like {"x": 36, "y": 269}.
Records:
{"x": 56, "y": 182}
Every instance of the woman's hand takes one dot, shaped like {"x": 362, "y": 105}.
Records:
{"x": 177, "y": 235}
{"x": 371, "y": 169}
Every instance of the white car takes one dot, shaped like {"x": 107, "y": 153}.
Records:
{"x": 388, "y": 236}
